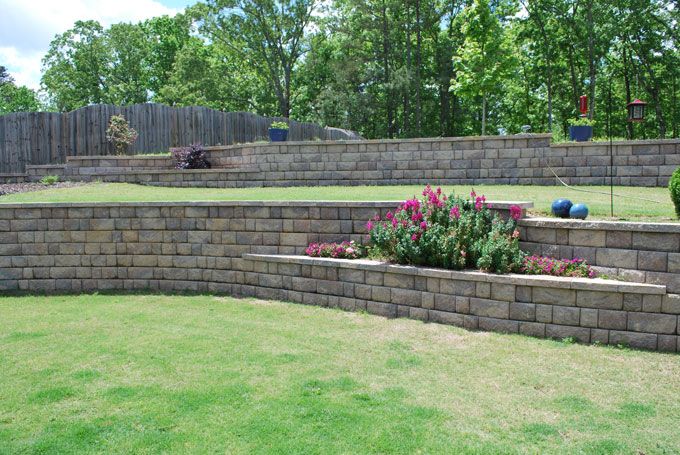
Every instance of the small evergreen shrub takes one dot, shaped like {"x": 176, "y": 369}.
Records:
{"x": 674, "y": 187}
{"x": 191, "y": 157}
{"x": 449, "y": 232}
{"x": 49, "y": 179}
{"x": 279, "y": 125}
{"x": 344, "y": 250}
{"x": 120, "y": 134}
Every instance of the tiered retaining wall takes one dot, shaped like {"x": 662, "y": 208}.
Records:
{"x": 642, "y": 252}
{"x": 601, "y": 311}
{"x": 201, "y": 247}
{"x": 467, "y": 160}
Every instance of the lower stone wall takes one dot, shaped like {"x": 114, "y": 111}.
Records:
{"x": 200, "y": 246}
{"x": 589, "y": 311}
{"x": 641, "y": 252}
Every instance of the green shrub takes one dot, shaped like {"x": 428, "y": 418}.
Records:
{"x": 49, "y": 179}
{"x": 279, "y": 125}
{"x": 449, "y": 232}
{"x": 120, "y": 134}
{"x": 581, "y": 121}
{"x": 674, "y": 187}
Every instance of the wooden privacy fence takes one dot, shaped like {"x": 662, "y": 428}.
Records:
{"x": 49, "y": 137}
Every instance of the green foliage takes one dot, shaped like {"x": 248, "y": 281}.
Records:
{"x": 448, "y": 232}
{"x": 483, "y": 60}
{"x": 674, "y": 187}
{"x": 581, "y": 121}
{"x": 49, "y": 179}
{"x": 120, "y": 134}
{"x": 279, "y": 125}
{"x": 15, "y": 98}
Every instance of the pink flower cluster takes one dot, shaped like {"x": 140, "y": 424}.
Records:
{"x": 541, "y": 265}
{"x": 515, "y": 212}
{"x": 344, "y": 250}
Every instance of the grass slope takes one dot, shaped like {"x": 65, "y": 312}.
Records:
{"x": 198, "y": 374}
{"x": 541, "y": 196}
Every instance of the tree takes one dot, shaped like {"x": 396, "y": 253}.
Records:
{"x": 483, "y": 59}
{"x": 75, "y": 69}
{"x": 15, "y": 98}
{"x": 268, "y": 35}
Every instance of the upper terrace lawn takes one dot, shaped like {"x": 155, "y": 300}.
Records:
{"x": 203, "y": 374}
{"x": 542, "y": 196}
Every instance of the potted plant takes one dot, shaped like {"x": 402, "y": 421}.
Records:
{"x": 581, "y": 129}
{"x": 278, "y": 132}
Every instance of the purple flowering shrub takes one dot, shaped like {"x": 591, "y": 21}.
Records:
{"x": 449, "y": 232}
{"x": 541, "y": 265}
{"x": 344, "y": 250}
{"x": 191, "y": 157}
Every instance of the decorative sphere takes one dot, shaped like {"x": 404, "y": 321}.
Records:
{"x": 579, "y": 211}
{"x": 560, "y": 207}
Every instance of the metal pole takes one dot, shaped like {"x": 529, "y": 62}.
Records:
{"x": 611, "y": 150}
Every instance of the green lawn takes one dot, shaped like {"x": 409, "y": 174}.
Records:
{"x": 541, "y": 196}
{"x": 204, "y": 374}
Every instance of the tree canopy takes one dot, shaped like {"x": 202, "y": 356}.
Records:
{"x": 388, "y": 68}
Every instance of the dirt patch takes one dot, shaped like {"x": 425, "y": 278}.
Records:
{"x": 12, "y": 188}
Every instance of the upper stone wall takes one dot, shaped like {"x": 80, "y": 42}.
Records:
{"x": 521, "y": 159}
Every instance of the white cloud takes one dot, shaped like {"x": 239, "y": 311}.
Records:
{"x": 27, "y": 27}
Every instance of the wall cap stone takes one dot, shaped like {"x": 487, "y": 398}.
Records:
{"x": 503, "y": 205}
{"x": 591, "y": 284}
{"x": 556, "y": 223}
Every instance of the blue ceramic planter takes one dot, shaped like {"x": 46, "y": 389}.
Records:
{"x": 278, "y": 134}
{"x": 578, "y": 211}
{"x": 580, "y": 133}
{"x": 561, "y": 207}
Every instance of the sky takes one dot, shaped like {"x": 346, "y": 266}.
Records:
{"x": 28, "y": 26}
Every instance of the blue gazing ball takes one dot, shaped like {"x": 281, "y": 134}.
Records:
{"x": 579, "y": 211}
{"x": 560, "y": 207}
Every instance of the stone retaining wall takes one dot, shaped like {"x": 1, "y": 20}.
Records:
{"x": 199, "y": 246}
{"x": 642, "y": 252}
{"x": 589, "y": 311}
{"x": 521, "y": 159}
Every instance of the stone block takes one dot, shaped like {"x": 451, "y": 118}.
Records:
{"x": 633, "y": 339}
{"x": 670, "y": 304}
{"x": 566, "y": 315}
{"x": 612, "y": 319}
{"x": 651, "y": 303}
{"x": 503, "y": 292}
{"x": 444, "y": 317}
{"x": 554, "y": 296}
{"x": 382, "y": 309}
{"x": 580, "y": 334}
{"x": 522, "y": 311}
{"x": 420, "y": 314}
{"x": 498, "y": 325}
{"x": 427, "y": 300}
{"x": 656, "y": 261}
{"x": 599, "y": 336}
{"x": 544, "y": 313}
{"x": 534, "y": 329}
{"x": 489, "y": 308}
{"x": 381, "y": 294}
{"x": 652, "y": 323}
{"x": 445, "y": 302}
{"x": 523, "y": 294}
{"x": 589, "y": 317}
{"x": 632, "y": 302}
{"x": 667, "y": 343}
{"x": 600, "y": 300}
{"x": 407, "y": 297}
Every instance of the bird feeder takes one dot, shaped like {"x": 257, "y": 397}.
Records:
{"x": 636, "y": 111}
{"x": 583, "y": 105}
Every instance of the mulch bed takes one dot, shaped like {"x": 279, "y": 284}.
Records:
{"x": 11, "y": 188}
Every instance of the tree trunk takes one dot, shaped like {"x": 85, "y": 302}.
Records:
{"x": 592, "y": 69}
{"x": 386, "y": 66}
{"x": 484, "y": 114}
{"x": 418, "y": 70}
